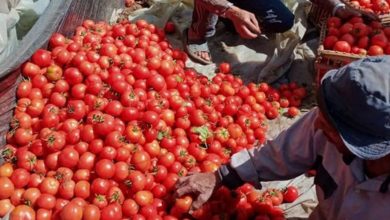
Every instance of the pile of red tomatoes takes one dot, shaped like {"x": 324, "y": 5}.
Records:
{"x": 375, "y": 6}
{"x": 108, "y": 120}
{"x": 357, "y": 36}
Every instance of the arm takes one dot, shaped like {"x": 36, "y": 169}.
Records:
{"x": 292, "y": 153}
{"x": 289, "y": 155}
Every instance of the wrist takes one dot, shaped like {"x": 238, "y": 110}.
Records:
{"x": 228, "y": 177}
{"x": 230, "y": 11}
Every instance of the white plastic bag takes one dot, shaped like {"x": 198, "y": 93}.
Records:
{"x": 16, "y": 19}
{"x": 8, "y": 19}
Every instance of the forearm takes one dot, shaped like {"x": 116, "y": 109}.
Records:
{"x": 292, "y": 153}
{"x": 218, "y": 7}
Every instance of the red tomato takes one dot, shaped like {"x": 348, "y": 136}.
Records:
{"x": 22, "y": 212}
{"x": 5, "y": 207}
{"x": 129, "y": 208}
{"x": 6, "y": 188}
{"x": 49, "y": 185}
{"x": 20, "y": 178}
{"x": 334, "y": 22}
{"x": 224, "y": 67}
{"x": 379, "y": 40}
{"x": 91, "y": 212}
{"x": 42, "y": 58}
{"x": 375, "y": 50}
{"x": 290, "y": 194}
{"x": 143, "y": 198}
{"x": 56, "y": 40}
{"x": 71, "y": 211}
{"x": 330, "y": 41}
{"x": 68, "y": 157}
{"x": 53, "y": 72}
{"x": 169, "y": 27}
{"x": 292, "y": 111}
{"x": 110, "y": 212}
{"x": 105, "y": 168}
{"x": 46, "y": 201}
{"x": 141, "y": 161}
{"x": 342, "y": 46}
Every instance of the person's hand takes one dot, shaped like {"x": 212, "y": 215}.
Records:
{"x": 244, "y": 22}
{"x": 348, "y": 11}
{"x": 201, "y": 185}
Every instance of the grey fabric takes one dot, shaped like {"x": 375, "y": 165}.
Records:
{"x": 357, "y": 99}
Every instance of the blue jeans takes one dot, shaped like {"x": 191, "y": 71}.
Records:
{"x": 272, "y": 15}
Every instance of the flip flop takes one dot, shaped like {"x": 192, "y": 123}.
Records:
{"x": 193, "y": 47}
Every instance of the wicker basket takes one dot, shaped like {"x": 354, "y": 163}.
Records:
{"x": 317, "y": 15}
{"x": 330, "y": 59}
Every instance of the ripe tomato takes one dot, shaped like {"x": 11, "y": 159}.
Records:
{"x": 54, "y": 141}
{"x": 5, "y": 207}
{"x": 375, "y": 50}
{"x": 23, "y": 136}
{"x": 22, "y": 212}
{"x": 46, "y": 201}
{"x": 105, "y": 168}
{"x": 30, "y": 69}
{"x": 53, "y": 72}
{"x": 6, "y": 170}
{"x": 49, "y": 185}
{"x": 42, "y": 58}
{"x": 183, "y": 204}
{"x": 290, "y": 194}
{"x": 82, "y": 189}
{"x": 292, "y": 112}
{"x": 379, "y": 40}
{"x": 30, "y": 196}
{"x": 112, "y": 211}
{"x": 224, "y": 67}
{"x": 334, "y": 22}
{"x": 66, "y": 189}
{"x": 143, "y": 198}
{"x": 6, "y": 188}
{"x": 342, "y": 46}
{"x": 44, "y": 214}
{"x": 359, "y": 29}
{"x": 130, "y": 208}
{"x": 71, "y": 211}
{"x": 330, "y": 41}
{"x": 141, "y": 161}
{"x": 68, "y": 157}
{"x": 56, "y": 40}
{"x": 91, "y": 212}
{"x": 157, "y": 82}
{"x": 20, "y": 178}
{"x": 169, "y": 27}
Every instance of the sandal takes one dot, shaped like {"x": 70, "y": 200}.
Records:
{"x": 193, "y": 47}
